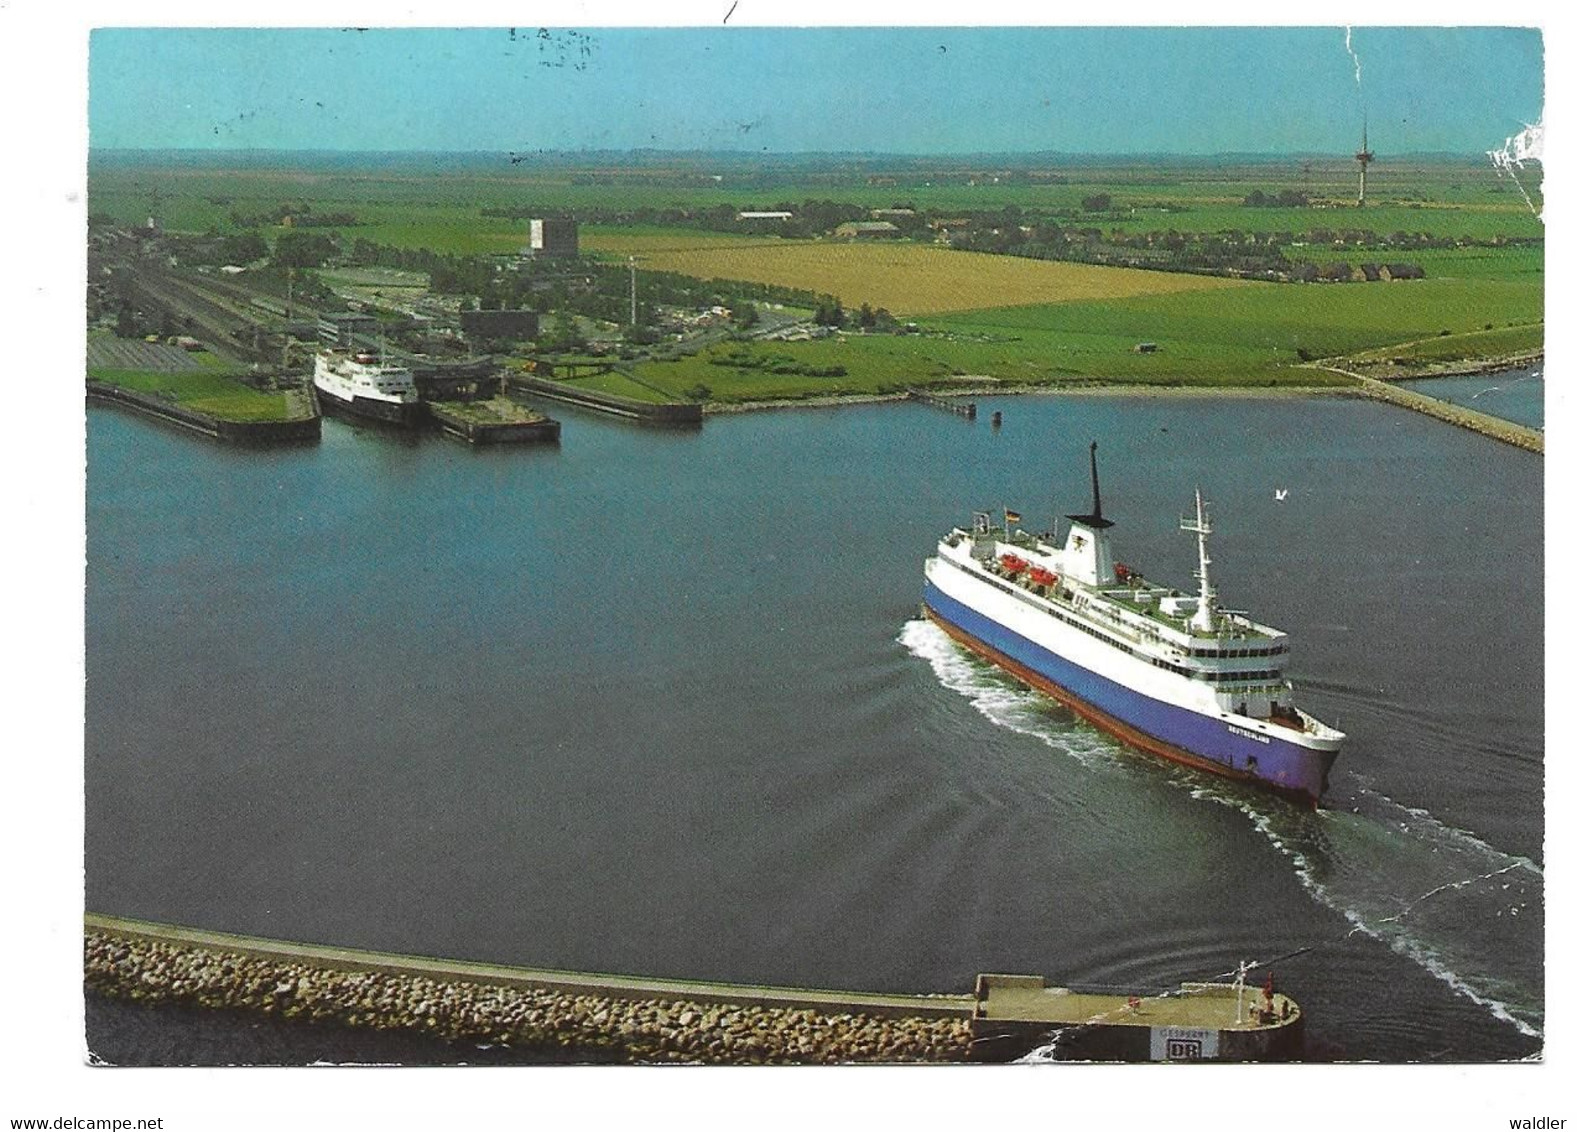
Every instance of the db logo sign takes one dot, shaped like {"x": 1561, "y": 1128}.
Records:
{"x": 1176, "y": 1043}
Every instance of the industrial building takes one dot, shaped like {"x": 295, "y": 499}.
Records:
{"x": 493, "y": 325}
{"x": 554, "y": 238}
{"x": 341, "y": 328}
{"x": 867, "y": 230}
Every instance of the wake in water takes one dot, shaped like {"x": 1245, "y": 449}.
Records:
{"x": 1534, "y": 376}
{"x": 1439, "y": 896}
{"x": 1003, "y": 700}
{"x": 1442, "y": 897}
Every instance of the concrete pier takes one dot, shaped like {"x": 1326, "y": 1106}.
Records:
{"x": 1199, "y": 1022}
{"x": 307, "y": 427}
{"x": 497, "y": 420}
{"x": 964, "y": 409}
{"x": 652, "y": 1020}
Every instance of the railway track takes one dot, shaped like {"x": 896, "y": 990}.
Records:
{"x": 215, "y": 324}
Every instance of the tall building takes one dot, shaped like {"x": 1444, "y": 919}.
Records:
{"x": 554, "y": 238}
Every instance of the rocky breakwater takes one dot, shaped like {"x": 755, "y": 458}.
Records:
{"x": 1496, "y": 428}
{"x": 602, "y": 1027}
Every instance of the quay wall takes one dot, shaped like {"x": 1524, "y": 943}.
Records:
{"x": 1005, "y": 1040}
{"x": 641, "y": 1020}
{"x": 493, "y": 432}
{"x": 242, "y": 432}
{"x": 649, "y": 412}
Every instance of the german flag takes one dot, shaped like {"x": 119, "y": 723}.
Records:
{"x": 1013, "y": 516}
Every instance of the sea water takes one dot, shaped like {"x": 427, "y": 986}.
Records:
{"x": 661, "y": 703}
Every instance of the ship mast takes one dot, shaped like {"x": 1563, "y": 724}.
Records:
{"x": 1204, "y": 619}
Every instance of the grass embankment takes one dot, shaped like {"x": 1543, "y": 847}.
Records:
{"x": 621, "y": 385}
{"x": 207, "y": 391}
{"x": 1457, "y": 349}
{"x": 1252, "y": 335}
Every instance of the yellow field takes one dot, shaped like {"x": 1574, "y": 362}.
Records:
{"x": 907, "y": 279}
{"x": 617, "y": 241}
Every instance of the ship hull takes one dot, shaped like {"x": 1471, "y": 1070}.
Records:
{"x": 399, "y": 414}
{"x": 1167, "y": 730}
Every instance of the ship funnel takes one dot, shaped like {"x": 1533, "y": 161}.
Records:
{"x": 1094, "y": 519}
{"x": 1095, "y": 482}
{"x": 1087, "y": 553}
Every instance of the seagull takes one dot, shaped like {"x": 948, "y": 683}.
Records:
{"x": 1281, "y": 494}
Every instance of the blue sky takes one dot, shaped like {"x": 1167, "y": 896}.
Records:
{"x": 781, "y": 90}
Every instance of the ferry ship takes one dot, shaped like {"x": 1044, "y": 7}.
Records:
{"x": 360, "y": 383}
{"x": 1172, "y": 674}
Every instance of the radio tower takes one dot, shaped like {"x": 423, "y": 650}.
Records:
{"x": 1363, "y": 157}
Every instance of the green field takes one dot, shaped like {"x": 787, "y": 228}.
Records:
{"x": 203, "y": 392}
{"x": 1253, "y": 335}
{"x": 440, "y": 209}
{"x": 1279, "y": 319}
{"x": 880, "y": 364}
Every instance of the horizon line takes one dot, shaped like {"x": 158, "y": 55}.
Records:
{"x": 743, "y": 155}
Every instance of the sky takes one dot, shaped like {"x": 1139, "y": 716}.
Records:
{"x": 912, "y": 90}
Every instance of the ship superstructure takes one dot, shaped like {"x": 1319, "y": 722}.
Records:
{"x": 359, "y": 382}
{"x": 1171, "y": 673}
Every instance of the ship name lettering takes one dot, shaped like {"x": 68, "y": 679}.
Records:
{"x": 1249, "y": 734}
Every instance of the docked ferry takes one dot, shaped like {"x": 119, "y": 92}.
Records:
{"x": 1170, "y": 673}
{"x": 360, "y": 383}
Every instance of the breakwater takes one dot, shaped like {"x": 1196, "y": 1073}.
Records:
{"x": 1496, "y": 428}
{"x": 558, "y": 1013}
{"x": 290, "y": 431}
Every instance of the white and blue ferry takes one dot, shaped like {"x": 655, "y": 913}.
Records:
{"x": 1170, "y": 673}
